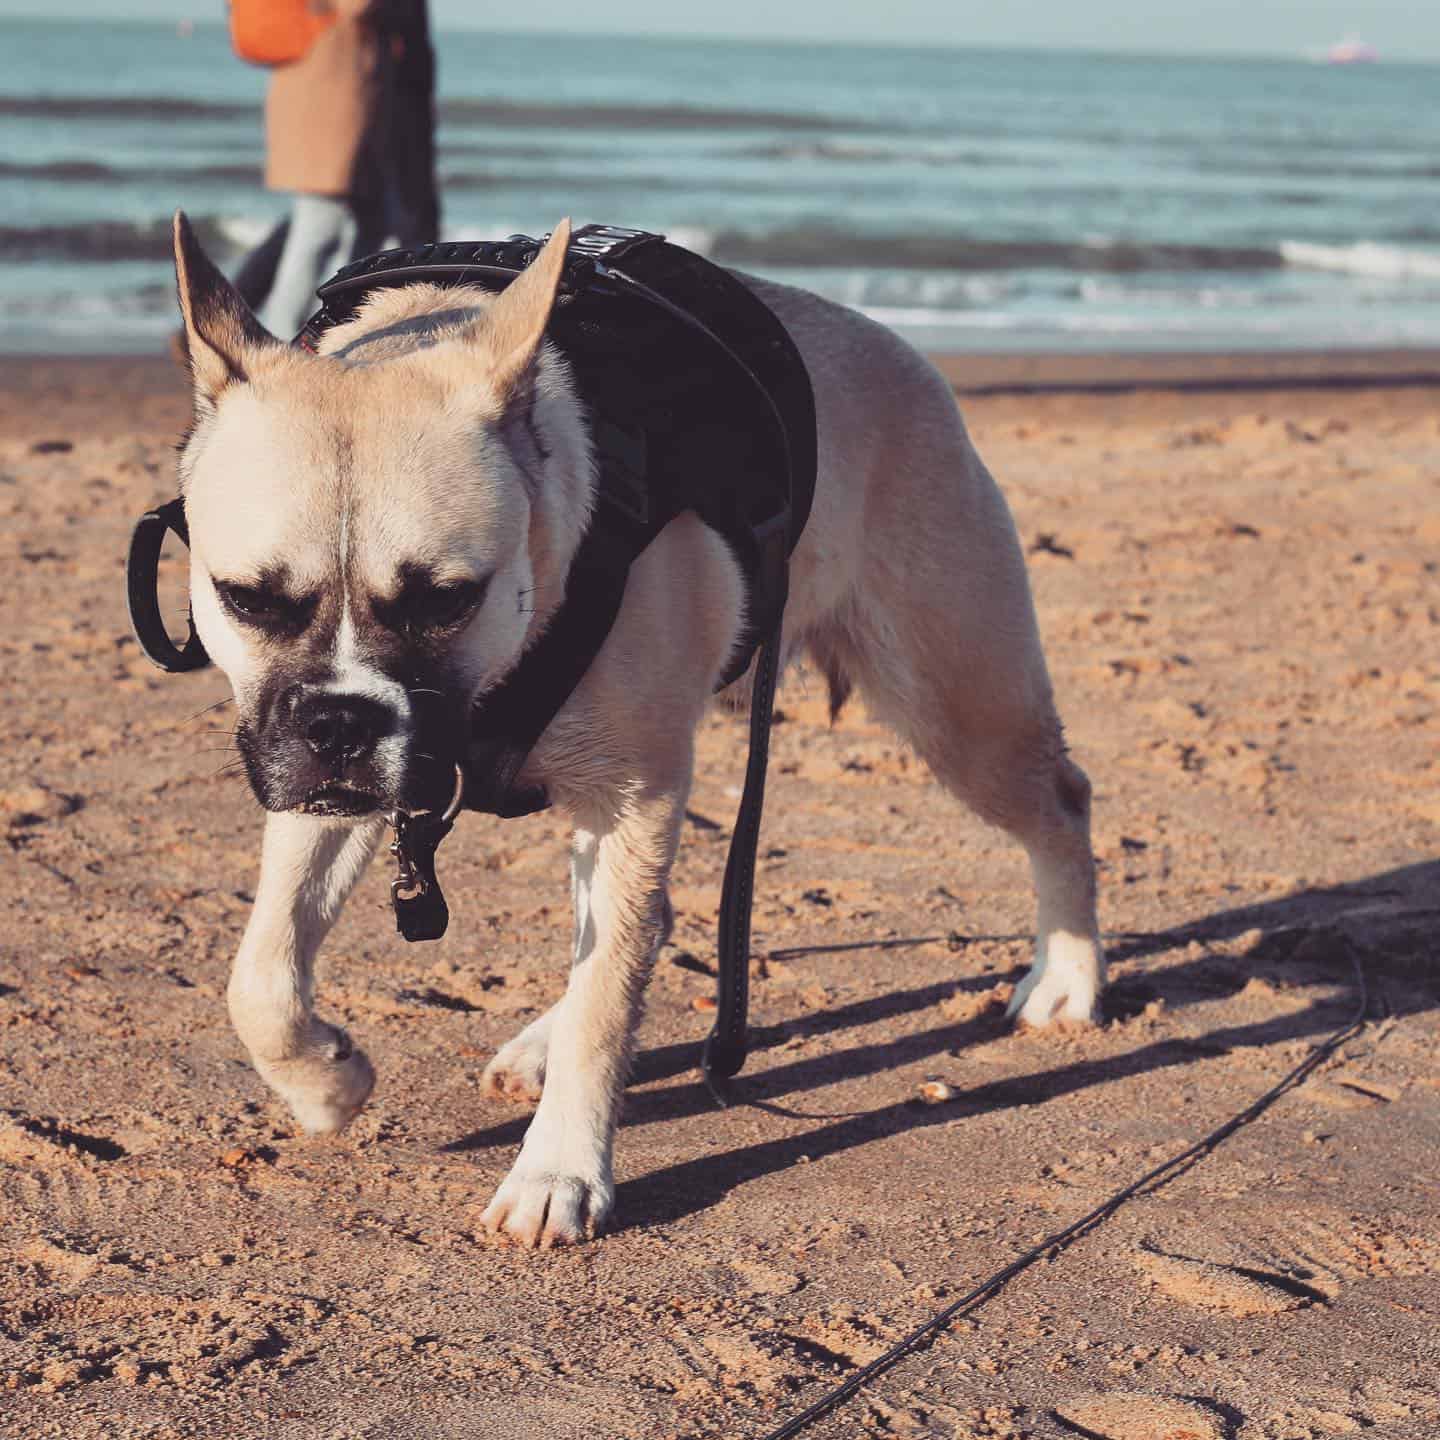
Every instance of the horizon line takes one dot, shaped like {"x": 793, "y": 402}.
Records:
{"x": 1310, "y": 55}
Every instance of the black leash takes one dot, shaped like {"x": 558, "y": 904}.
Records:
{"x": 1161, "y": 1174}
{"x": 729, "y": 1041}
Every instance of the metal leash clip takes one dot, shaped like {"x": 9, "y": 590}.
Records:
{"x": 420, "y": 909}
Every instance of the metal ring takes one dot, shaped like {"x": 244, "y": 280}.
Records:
{"x": 457, "y": 799}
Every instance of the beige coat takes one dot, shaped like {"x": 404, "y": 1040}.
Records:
{"x": 321, "y": 111}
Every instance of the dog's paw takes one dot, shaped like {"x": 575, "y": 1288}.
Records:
{"x": 1037, "y": 1005}
{"x": 1063, "y": 985}
{"x": 1044, "y": 997}
{"x": 327, "y": 1087}
{"x": 543, "y": 1210}
{"x": 518, "y": 1071}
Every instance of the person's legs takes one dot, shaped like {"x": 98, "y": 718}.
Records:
{"x": 321, "y": 239}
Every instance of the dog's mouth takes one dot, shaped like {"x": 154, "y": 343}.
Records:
{"x": 339, "y": 800}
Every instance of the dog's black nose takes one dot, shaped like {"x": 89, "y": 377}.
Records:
{"x": 340, "y": 729}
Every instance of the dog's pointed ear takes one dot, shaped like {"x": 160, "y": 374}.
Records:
{"x": 516, "y": 321}
{"x": 222, "y": 336}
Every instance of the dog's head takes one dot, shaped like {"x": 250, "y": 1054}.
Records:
{"x": 377, "y": 531}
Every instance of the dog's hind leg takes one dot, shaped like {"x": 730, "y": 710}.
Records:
{"x": 954, "y": 664}
{"x": 308, "y": 868}
{"x": 517, "y": 1071}
{"x": 1068, "y": 976}
{"x": 1047, "y": 808}
{"x": 561, "y": 1187}
{"x": 1023, "y": 781}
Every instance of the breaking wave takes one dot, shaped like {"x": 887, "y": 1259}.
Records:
{"x": 1364, "y": 258}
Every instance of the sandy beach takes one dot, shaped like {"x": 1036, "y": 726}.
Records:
{"x": 1237, "y": 568}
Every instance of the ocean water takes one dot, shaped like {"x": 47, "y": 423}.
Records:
{"x": 975, "y": 200}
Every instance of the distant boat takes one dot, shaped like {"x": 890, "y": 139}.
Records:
{"x": 1351, "y": 51}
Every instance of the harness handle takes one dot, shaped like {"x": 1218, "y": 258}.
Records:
{"x": 142, "y": 586}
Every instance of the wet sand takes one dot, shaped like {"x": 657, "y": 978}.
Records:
{"x": 1239, "y": 586}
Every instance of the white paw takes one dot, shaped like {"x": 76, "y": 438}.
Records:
{"x": 1065, "y": 985}
{"x": 1039, "y": 1001}
{"x": 518, "y": 1071}
{"x": 327, "y": 1086}
{"x": 542, "y": 1210}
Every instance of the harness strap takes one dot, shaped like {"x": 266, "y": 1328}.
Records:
{"x": 729, "y": 1042}
{"x": 506, "y": 724}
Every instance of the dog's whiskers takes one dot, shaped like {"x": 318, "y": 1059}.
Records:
{"x": 209, "y": 709}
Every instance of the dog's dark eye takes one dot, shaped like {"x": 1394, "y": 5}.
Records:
{"x": 260, "y": 605}
{"x": 425, "y": 604}
{"x": 248, "y": 600}
{"x": 439, "y": 605}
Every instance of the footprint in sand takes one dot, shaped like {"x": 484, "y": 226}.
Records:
{"x": 32, "y": 805}
{"x": 63, "y": 1261}
{"x": 28, "y": 1139}
{"x": 1222, "y": 1287}
{"x": 159, "y": 1339}
{"x": 764, "y": 1279}
{"x": 1134, "y": 1416}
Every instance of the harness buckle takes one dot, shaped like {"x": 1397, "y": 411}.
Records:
{"x": 407, "y": 885}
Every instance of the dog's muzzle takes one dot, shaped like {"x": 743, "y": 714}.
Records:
{"x": 323, "y": 751}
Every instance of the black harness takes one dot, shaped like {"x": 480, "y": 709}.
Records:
{"x": 697, "y": 400}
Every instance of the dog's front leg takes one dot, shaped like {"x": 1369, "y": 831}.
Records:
{"x": 561, "y": 1187}
{"x": 308, "y": 868}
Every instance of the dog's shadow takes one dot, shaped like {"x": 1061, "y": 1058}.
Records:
{"x": 1311, "y": 938}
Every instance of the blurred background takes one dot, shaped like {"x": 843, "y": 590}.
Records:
{"x": 1048, "y": 180}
